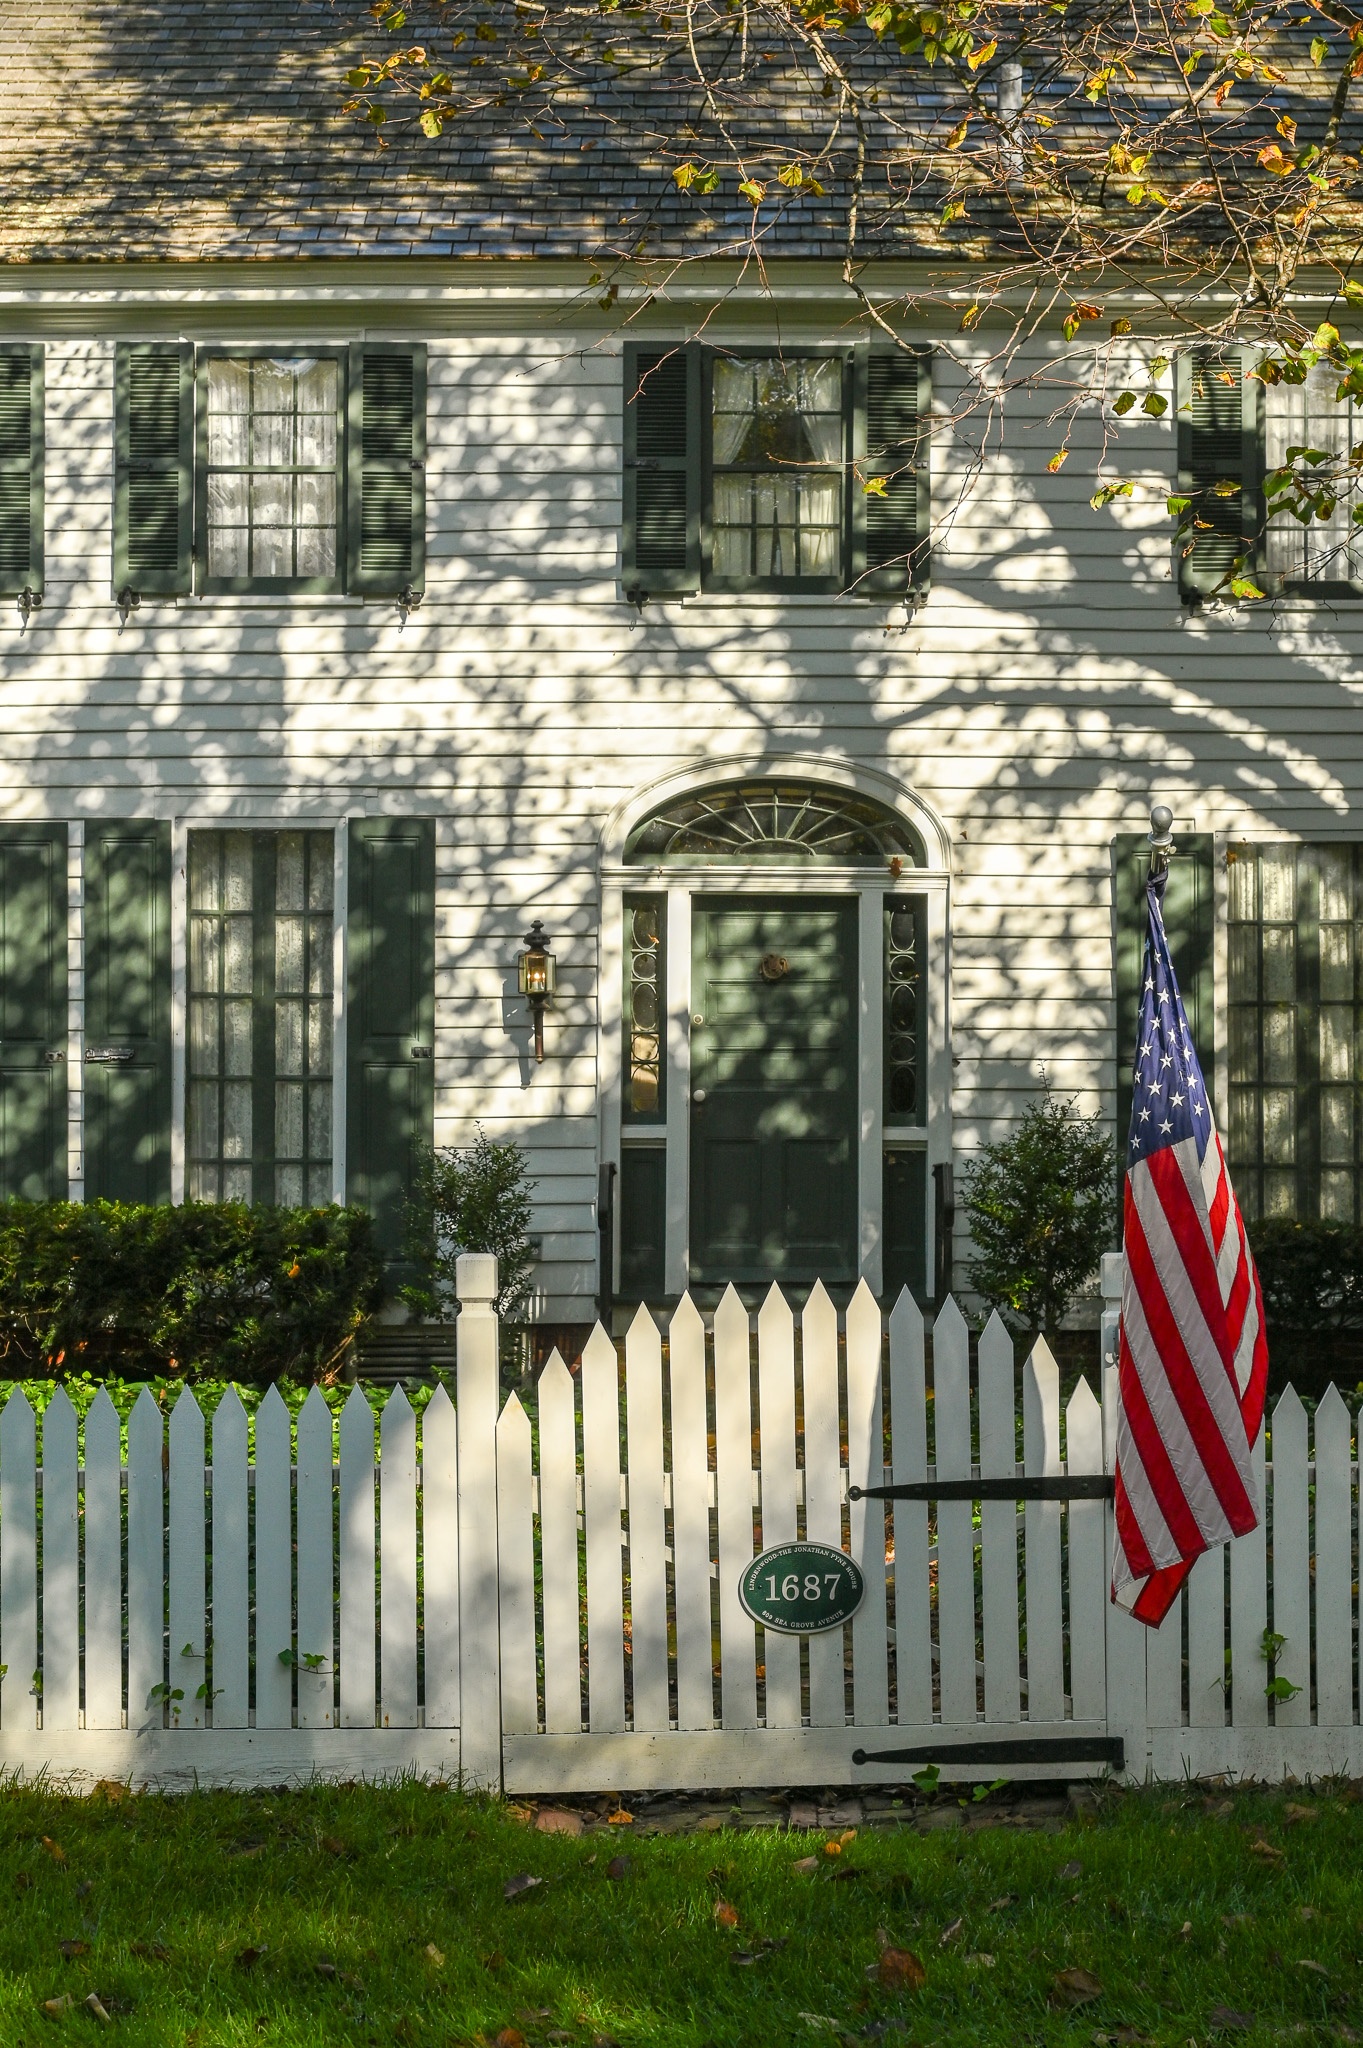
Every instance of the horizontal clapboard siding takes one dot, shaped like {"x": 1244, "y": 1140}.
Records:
{"x": 1049, "y": 685}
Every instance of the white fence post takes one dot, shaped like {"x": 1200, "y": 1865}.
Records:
{"x": 480, "y": 1671}
{"x": 1126, "y": 1639}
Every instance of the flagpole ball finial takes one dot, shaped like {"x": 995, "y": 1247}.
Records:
{"x": 1161, "y": 837}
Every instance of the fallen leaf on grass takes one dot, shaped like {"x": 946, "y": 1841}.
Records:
{"x": 150, "y": 1951}
{"x": 1307, "y": 1913}
{"x": 951, "y": 1933}
{"x": 325, "y": 1969}
{"x": 334, "y": 1846}
{"x": 434, "y": 1956}
{"x": 1305, "y": 1963}
{"x": 57, "y": 2006}
{"x": 806, "y": 1866}
{"x": 557, "y": 1820}
{"x": 621, "y": 1819}
{"x": 1070, "y": 1988}
{"x": 54, "y": 1849}
{"x": 99, "y": 2009}
{"x": 1294, "y": 1815}
{"x": 523, "y": 1814}
{"x": 978, "y": 1962}
{"x": 112, "y": 1789}
{"x": 899, "y": 1968}
{"x": 998, "y": 1905}
{"x": 818, "y": 2019}
{"x": 1268, "y": 1850}
{"x": 1223, "y": 2019}
{"x": 247, "y": 1958}
{"x": 520, "y": 1886}
{"x": 725, "y": 1914}
{"x": 619, "y": 1867}
{"x": 604, "y": 2041}
{"x": 1218, "y": 1808}
{"x": 832, "y": 1848}
{"x": 71, "y": 1949}
{"x": 510, "y": 2037}
{"x": 1069, "y": 1871}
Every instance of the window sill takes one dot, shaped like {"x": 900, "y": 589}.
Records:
{"x": 313, "y": 600}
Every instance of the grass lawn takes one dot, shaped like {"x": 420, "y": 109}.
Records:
{"x": 361, "y": 1915}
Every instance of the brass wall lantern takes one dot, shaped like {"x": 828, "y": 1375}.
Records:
{"x": 537, "y": 979}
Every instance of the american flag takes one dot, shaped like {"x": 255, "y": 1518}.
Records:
{"x": 1193, "y": 1357}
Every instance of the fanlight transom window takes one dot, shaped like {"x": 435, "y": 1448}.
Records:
{"x": 794, "y": 822}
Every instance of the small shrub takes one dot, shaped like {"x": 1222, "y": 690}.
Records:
{"x": 204, "y": 1288}
{"x": 472, "y": 1201}
{"x": 1041, "y": 1207}
{"x": 1311, "y": 1273}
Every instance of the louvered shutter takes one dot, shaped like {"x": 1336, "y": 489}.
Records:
{"x": 1189, "y": 923}
{"x": 1220, "y": 470}
{"x": 889, "y": 555}
{"x": 660, "y": 547}
{"x": 386, "y": 493}
{"x": 21, "y": 469}
{"x": 153, "y": 468}
{"x": 390, "y": 1017}
{"x": 127, "y": 1010}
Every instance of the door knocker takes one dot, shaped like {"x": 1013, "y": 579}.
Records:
{"x": 775, "y": 967}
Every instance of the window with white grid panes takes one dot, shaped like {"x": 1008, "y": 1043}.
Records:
{"x": 1309, "y": 416}
{"x": 1295, "y": 1015}
{"x": 261, "y": 936}
{"x": 272, "y": 455}
{"x": 777, "y": 452}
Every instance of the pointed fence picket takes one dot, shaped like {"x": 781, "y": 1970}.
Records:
{"x": 547, "y": 1596}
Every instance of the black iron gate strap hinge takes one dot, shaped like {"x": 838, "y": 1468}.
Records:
{"x": 1072, "y": 1486}
{"x": 1036, "y": 1749}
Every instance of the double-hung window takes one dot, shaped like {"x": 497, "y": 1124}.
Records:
{"x": 270, "y": 482}
{"x": 777, "y": 470}
{"x": 259, "y": 471}
{"x": 1232, "y": 428}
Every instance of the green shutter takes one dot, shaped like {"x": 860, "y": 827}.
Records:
{"x": 889, "y": 532}
{"x": 127, "y": 1011}
{"x": 386, "y": 491}
{"x": 33, "y": 994}
{"x": 390, "y": 1015}
{"x": 153, "y": 468}
{"x": 1220, "y": 444}
{"x": 660, "y": 549}
{"x": 21, "y": 469}
{"x": 1189, "y": 922}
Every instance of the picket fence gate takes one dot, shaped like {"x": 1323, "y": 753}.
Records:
{"x": 554, "y": 1605}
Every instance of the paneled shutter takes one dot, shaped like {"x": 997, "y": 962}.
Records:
{"x": 1189, "y": 921}
{"x": 33, "y": 993}
{"x": 390, "y": 1028}
{"x": 386, "y": 493}
{"x": 127, "y": 1011}
{"x": 660, "y": 545}
{"x": 21, "y": 469}
{"x": 889, "y": 530}
{"x": 1220, "y": 469}
{"x": 153, "y": 468}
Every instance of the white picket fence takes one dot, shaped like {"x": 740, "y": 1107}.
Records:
{"x": 551, "y": 1604}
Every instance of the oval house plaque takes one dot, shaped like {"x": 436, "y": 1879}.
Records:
{"x": 799, "y": 1589}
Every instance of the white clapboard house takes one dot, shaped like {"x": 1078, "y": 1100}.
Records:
{"x": 368, "y": 593}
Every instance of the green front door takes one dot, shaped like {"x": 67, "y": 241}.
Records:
{"x": 33, "y": 1082}
{"x": 773, "y": 1089}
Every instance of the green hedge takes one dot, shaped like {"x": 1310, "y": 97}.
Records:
{"x": 205, "y": 1288}
{"x": 1312, "y": 1274}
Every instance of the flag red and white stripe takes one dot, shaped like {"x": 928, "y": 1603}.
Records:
{"x": 1193, "y": 1357}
